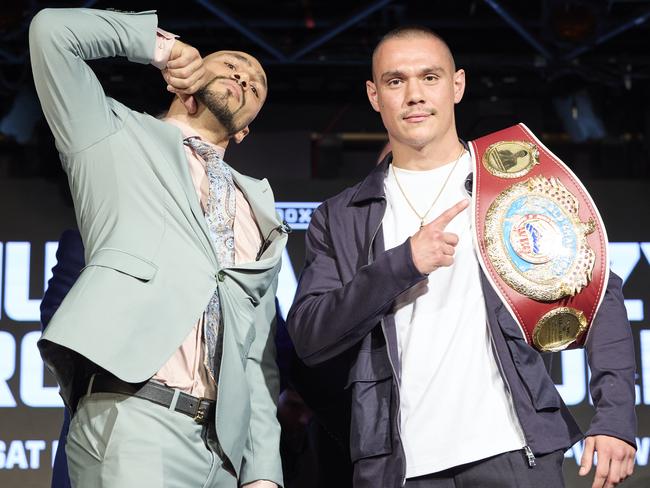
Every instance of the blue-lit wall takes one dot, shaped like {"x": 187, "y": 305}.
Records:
{"x": 30, "y": 408}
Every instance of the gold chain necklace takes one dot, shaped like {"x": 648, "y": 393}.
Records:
{"x": 423, "y": 217}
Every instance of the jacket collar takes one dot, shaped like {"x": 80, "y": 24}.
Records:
{"x": 372, "y": 187}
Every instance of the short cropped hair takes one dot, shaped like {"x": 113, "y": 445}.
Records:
{"x": 410, "y": 31}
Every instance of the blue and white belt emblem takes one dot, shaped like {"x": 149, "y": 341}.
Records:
{"x": 536, "y": 241}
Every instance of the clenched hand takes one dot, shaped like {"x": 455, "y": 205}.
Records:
{"x": 184, "y": 73}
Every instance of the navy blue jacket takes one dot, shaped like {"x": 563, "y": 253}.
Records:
{"x": 342, "y": 315}
{"x": 70, "y": 261}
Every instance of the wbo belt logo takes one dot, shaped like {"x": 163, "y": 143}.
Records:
{"x": 536, "y": 241}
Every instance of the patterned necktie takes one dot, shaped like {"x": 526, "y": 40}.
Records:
{"x": 220, "y": 216}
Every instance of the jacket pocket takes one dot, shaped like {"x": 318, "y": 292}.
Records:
{"x": 529, "y": 365}
{"x": 123, "y": 262}
{"x": 370, "y": 382}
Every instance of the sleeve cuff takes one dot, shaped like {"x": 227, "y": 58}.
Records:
{"x": 630, "y": 440}
{"x": 164, "y": 43}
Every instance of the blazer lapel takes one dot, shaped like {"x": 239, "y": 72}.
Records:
{"x": 254, "y": 277}
{"x": 172, "y": 143}
{"x": 260, "y": 197}
{"x": 257, "y": 192}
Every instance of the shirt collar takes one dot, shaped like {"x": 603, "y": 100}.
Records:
{"x": 372, "y": 187}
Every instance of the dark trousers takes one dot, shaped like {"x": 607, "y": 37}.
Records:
{"x": 507, "y": 470}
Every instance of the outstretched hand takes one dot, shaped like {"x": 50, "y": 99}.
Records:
{"x": 431, "y": 246}
{"x": 615, "y": 460}
{"x": 184, "y": 73}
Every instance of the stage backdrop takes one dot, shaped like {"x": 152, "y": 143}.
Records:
{"x": 33, "y": 214}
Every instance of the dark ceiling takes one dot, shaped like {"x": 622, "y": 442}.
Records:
{"x": 323, "y": 46}
{"x": 521, "y": 57}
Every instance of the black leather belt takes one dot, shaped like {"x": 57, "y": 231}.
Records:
{"x": 200, "y": 409}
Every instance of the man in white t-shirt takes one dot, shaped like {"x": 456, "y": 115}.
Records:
{"x": 444, "y": 390}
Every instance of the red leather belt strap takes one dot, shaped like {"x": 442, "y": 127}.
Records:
{"x": 523, "y": 164}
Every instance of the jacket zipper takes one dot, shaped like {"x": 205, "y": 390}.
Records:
{"x": 527, "y": 450}
{"x": 398, "y": 422}
{"x": 390, "y": 359}
{"x": 530, "y": 456}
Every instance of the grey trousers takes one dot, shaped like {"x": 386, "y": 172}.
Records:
{"x": 118, "y": 441}
{"x": 507, "y": 470}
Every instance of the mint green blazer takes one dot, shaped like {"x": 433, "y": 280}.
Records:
{"x": 151, "y": 266}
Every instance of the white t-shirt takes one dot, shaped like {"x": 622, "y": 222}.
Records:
{"x": 455, "y": 407}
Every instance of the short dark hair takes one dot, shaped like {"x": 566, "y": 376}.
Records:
{"x": 407, "y": 31}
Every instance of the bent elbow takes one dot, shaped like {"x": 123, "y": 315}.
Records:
{"x": 305, "y": 354}
{"x": 41, "y": 27}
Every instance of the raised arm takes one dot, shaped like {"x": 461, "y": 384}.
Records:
{"x": 73, "y": 100}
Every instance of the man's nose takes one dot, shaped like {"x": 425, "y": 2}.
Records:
{"x": 242, "y": 79}
{"x": 414, "y": 94}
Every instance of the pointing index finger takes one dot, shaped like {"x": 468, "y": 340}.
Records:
{"x": 448, "y": 215}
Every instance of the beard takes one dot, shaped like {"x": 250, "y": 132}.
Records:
{"x": 217, "y": 104}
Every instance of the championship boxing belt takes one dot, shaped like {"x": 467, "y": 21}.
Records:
{"x": 541, "y": 241}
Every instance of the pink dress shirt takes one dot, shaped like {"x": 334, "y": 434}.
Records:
{"x": 185, "y": 369}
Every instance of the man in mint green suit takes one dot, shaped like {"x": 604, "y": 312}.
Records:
{"x": 152, "y": 266}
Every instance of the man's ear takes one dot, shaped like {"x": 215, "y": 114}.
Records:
{"x": 239, "y": 136}
{"x": 371, "y": 90}
{"x": 459, "y": 85}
